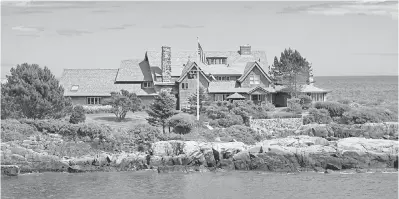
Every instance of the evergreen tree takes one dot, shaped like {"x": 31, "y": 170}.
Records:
{"x": 292, "y": 70}
{"x": 33, "y": 92}
{"x": 192, "y": 100}
{"x": 78, "y": 115}
{"x": 161, "y": 109}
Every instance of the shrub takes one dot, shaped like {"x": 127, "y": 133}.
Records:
{"x": 268, "y": 106}
{"x": 230, "y": 120}
{"x": 368, "y": 115}
{"x": 294, "y": 105}
{"x": 78, "y": 115}
{"x": 319, "y": 116}
{"x": 123, "y": 102}
{"x": 93, "y": 109}
{"x": 144, "y": 134}
{"x": 182, "y": 123}
{"x": 344, "y": 101}
{"x": 285, "y": 115}
{"x": 305, "y": 101}
{"x": 334, "y": 108}
{"x": 13, "y": 130}
{"x": 240, "y": 133}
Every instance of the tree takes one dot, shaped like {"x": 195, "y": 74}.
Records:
{"x": 78, "y": 115}
{"x": 33, "y": 92}
{"x": 192, "y": 100}
{"x": 123, "y": 102}
{"x": 161, "y": 109}
{"x": 292, "y": 70}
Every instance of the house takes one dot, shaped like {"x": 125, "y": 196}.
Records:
{"x": 224, "y": 75}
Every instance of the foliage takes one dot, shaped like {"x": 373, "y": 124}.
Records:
{"x": 238, "y": 132}
{"x": 192, "y": 100}
{"x": 230, "y": 120}
{"x": 294, "y": 105}
{"x": 33, "y": 92}
{"x": 78, "y": 115}
{"x": 13, "y": 130}
{"x": 182, "y": 123}
{"x": 145, "y": 134}
{"x": 334, "y": 108}
{"x": 285, "y": 115}
{"x": 267, "y": 106}
{"x": 161, "y": 109}
{"x": 344, "y": 101}
{"x": 93, "y": 109}
{"x": 319, "y": 116}
{"x": 292, "y": 70}
{"x": 305, "y": 101}
{"x": 123, "y": 102}
{"x": 368, "y": 115}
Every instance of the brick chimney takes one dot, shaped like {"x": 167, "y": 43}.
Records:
{"x": 245, "y": 50}
{"x": 166, "y": 64}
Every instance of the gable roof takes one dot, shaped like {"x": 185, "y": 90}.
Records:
{"x": 249, "y": 67}
{"x": 235, "y": 96}
{"x": 187, "y": 68}
{"x": 97, "y": 82}
{"x": 134, "y": 70}
{"x": 178, "y": 58}
{"x": 230, "y": 87}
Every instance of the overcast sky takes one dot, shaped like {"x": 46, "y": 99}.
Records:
{"x": 358, "y": 38}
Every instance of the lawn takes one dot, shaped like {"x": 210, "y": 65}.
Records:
{"x": 110, "y": 119}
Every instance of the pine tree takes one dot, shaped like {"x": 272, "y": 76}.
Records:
{"x": 192, "y": 100}
{"x": 161, "y": 109}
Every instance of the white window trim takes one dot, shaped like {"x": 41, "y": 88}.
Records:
{"x": 147, "y": 84}
{"x": 93, "y": 100}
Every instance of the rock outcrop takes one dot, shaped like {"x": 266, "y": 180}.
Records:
{"x": 290, "y": 154}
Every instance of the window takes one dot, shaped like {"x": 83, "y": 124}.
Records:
{"x": 192, "y": 75}
{"x": 228, "y": 78}
{"x": 184, "y": 86}
{"x": 217, "y": 60}
{"x": 218, "y": 97}
{"x": 147, "y": 84}
{"x": 93, "y": 100}
{"x": 222, "y": 78}
{"x": 254, "y": 79}
{"x": 75, "y": 88}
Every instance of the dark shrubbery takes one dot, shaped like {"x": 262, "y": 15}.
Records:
{"x": 230, "y": 120}
{"x": 78, "y": 115}
{"x": 182, "y": 123}
{"x": 305, "y": 101}
{"x": 13, "y": 130}
{"x": 368, "y": 115}
{"x": 334, "y": 108}
{"x": 238, "y": 132}
{"x": 319, "y": 116}
{"x": 144, "y": 134}
{"x": 294, "y": 105}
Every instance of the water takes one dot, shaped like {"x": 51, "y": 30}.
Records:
{"x": 235, "y": 184}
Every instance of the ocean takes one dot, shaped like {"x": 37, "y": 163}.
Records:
{"x": 228, "y": 185}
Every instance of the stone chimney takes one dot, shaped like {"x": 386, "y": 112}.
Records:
{"x": 166, "y": 64}
{"x": 245, "y": 50}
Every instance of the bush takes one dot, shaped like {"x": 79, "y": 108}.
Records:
{"x": 93, "y": 109}
{"x": 13, "y": 130}
{"x": 230, "y": 120}
{"x": 294, "y": 105}
{"x": 182, "y": 123}
{"x": 268, "y": 106}
{"x": 285, "y": 115}
{"x": 144, "y": 134}
{"x": 78, "y": 115}
{"x": 368, "y": 115}
{"x": 239, "y": 133}
{"x": 305, "y": 101}
{"x": 334, "y": 108}
{"x": 319, "y": 116}
{"x": 344, "y": 101}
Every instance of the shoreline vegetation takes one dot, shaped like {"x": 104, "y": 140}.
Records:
{"x": 336, "y": 135}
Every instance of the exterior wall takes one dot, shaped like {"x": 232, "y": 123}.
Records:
{"x": 280, "y": 99}
{"x": 82, "y": 100}
{"x": 264, "y": 82}
{"x": 184, "y": 94}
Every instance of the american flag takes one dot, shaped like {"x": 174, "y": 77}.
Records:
{"x": 201, "y": 54}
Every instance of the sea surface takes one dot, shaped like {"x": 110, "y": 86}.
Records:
{"x": 232, "y": 184}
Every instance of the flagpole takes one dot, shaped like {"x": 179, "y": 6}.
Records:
{"x": 198, "y": 59}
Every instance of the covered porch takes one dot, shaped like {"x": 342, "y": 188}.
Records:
{"x": 259, "y": 95}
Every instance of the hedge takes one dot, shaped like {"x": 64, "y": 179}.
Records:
{"x": 334, "y": 108}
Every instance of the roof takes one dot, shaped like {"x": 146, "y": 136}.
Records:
{"x": 187, "y": 68}
{"x": 221, "y": 69}
{"x": 178, "y": 58}
{"x": 309, "y": 88}
{"x": 134, "y": 70}
{"x": 230, "y": 87}
{"x": 97, "y": 82}
{"x": 249, "y": 67}
{"x": 235, "y": 96}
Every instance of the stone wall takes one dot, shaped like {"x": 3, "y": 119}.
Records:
{"x": 278, "y": 127}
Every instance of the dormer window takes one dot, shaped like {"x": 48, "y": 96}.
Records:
{"x": 192, "y": 75}
{"x": 75, "y": 88}
{"x": 254, "y": 79}
{"x": 223, "y": 78}
{"x": 147, "y": 84}
{"x": 216, "y": 60}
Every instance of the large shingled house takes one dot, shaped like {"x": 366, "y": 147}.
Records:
{"x": 224, "y": 75}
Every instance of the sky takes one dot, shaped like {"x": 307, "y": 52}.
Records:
{"x": 338, "y": 38}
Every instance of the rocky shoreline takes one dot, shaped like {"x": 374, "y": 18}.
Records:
{"x": 290, "y": 154}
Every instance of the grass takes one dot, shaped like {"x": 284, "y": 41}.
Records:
{"x": 109, "y": 119}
